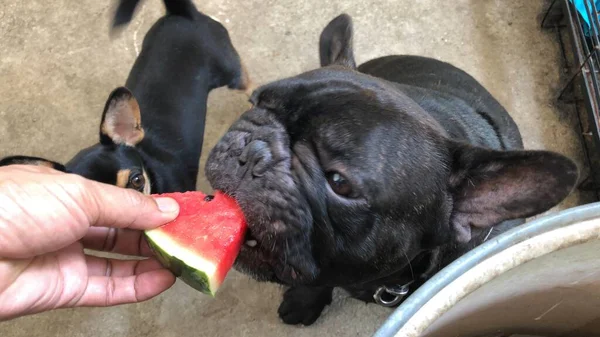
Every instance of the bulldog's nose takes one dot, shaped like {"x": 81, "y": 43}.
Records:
{"x": 257, "y": 156}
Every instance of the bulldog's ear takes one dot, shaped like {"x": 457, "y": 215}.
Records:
{"x": 35, "y": 161}
{"x": 121, "y": 119}
{"x": 335, "y": 43}
{"x": 490, "y": 186}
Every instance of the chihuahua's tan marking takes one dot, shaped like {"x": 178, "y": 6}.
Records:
{"x": 148, "y": 185}
{"x": 38, "y": 163}
{"x": 45, "y": 163}
{"x": 247, "y": 85}
{"x": 123, "y": 178}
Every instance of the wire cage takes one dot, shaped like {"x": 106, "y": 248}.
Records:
{"x": 577, "y": 25}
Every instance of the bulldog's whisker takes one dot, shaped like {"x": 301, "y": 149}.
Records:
{"x": 412, "y": 273}
{"x": 285, "y": 252}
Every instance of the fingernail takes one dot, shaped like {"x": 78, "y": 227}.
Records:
{"x": 167, "y": 205}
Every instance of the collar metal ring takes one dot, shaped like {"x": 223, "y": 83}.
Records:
{"x": 397, "y": 293}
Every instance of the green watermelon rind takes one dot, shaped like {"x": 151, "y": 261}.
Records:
{"x": 194, "y": 277}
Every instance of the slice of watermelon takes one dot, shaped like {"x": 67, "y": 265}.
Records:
{"x": 202, "y": 243}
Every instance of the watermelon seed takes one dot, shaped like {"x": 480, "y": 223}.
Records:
{"x": 251, "y": 243}
{"x": 209, "y": 198}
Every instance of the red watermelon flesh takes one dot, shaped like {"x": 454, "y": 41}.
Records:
{"x": 202, "y": 243}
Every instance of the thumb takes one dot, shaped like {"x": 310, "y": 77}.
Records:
{"x": 112, "y": 206}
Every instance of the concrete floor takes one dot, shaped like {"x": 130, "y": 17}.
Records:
{"x": 57, "y": 66}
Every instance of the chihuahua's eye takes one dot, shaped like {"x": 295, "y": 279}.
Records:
{"x": 339, "y": 184}
{"x": 137, "y": 181}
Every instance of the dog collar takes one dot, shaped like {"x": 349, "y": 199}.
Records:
{"x": 389, "y": 296}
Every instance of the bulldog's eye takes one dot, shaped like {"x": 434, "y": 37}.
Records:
{"x": 137, "y": 181}
{"x": 339, "y": 184}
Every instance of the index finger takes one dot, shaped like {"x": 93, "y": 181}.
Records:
{"x": 117, "y": 240}
{"x": 112, "y": 206}
{"x": 43, "y": 211}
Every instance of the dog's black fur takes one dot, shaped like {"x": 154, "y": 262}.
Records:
{"x": 377, "y": 175}
{"x": 184, "y": 56}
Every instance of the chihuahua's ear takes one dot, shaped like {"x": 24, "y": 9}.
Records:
{"x": 121, "y": 120}
{"x": 35, "y": 161}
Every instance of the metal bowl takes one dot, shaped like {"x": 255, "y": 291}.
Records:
{"x": 542, "y": 279}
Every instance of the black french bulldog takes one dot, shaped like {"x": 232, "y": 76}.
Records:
{"x": 375, "y": 176}
{"x": 184, "y": 56}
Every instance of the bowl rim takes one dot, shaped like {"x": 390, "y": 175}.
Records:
{"x": 401, "y": 315}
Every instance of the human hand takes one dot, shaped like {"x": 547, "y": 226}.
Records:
{"x": 47, "y": 218}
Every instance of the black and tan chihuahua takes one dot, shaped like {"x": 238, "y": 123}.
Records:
{"x": 152, "y": 129}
